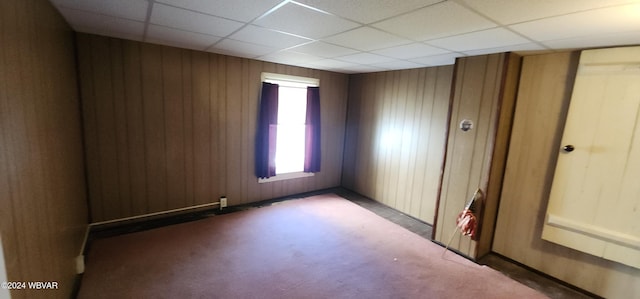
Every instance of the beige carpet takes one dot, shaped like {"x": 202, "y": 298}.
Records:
{"x": 318, "y": 247}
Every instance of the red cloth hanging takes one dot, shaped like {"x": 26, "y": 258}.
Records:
{"x": 467, "y": 223}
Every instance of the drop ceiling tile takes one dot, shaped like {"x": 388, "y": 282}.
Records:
{"x": 435, "y": 21}
{"x": 436, "y": 60}
{"x": 409, "y": 51}
{"x": 331, "y": 64}
{"x": 368, "y": 11}
{"x": 240, "y": 10}
{"x": 290, "y": 58}
{"x": 178, "y": 38}
{"x": 267, "y": 37}
{"x": 602, "y": 40}
{"x": 603, "y": 21}
{"x": 192, "y": 21}
{"x": 366, "y": 39}
{"x": 360, "y": 69}
{"x": 485, "y": 39}
{"x": 88, "y": 22}
{"x": 333, "y": 28}
{"x": 322, "y": 49}
{"x": 510, "y": 48}
{"x": 240, "y": 48}
{"x": 398, "y": 65}
{"x": 364, "y": 58}
{"x": 303, "y": 21}
{"x": 128, "y": 9}
{"x": 515, "y": 11}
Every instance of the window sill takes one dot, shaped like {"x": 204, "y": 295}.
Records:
{"x": 286, "y": 176}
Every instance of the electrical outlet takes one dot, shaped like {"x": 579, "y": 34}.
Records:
{"x": 223, "y": 202}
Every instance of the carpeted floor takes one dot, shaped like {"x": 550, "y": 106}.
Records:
{"x": 319, "y": 247}
{"x": 543, "y": 283}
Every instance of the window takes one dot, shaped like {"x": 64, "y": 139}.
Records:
{"x": 291, "y": 125}
{"x": 292, "y": 105}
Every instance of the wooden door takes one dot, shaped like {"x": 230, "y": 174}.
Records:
{"x": 594, "y": 204}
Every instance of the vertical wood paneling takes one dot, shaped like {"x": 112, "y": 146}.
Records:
{"x": 255, "y": 69}
{"x": 203, "y": 123}
{"x": 387, "y": 138}
{"x": 484, "y": 93}
{"x": 543, "y": 99}
{"x": 464, "y": 157}
{"x": 89, "y": 123}
{"x": 172, "y": 78}
{"x": 394, "y": 149}
{"x": 352, "y": 135}
{"x": 42, "y": 186}
{"x": 187, "y": 130}
{"x": 233, "y": 127}
{"x": 105, "y": 125}
{"x": 218, "y": 132}
{"x": 409, "y": 148}
{"x": 122, "y": 141}
{"x": 154, "y": 130}
{"x": 134, "y": 108}
{"x": 184, "y": 121}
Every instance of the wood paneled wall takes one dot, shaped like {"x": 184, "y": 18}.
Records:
{"x": 396, "y": 131}
{"x": 484, "y": 93}
{"x": 168, "y": 128}
{"x": 43, "y": 213}
{"x": 543, "y": 99}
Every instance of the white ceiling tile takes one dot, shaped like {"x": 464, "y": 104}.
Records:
{"x": 515, "y": 11}
{"x": 595, "y": 22}
{"x": 602, "y": 40}
{"x": 241, "y": 10}
{"x": 398, "y": 65}
{"x": 435, "y": 21}
{"x": 178, "y": 38}
{"x": 435, "y": 60}
{"x": 129, "y": 9}
{"x": 288, "y": 57}
{"x": 267, "y": 37}
{"x": 306, "y": 32}
{"x": 365, "y": 69}
{"x": 485, "y": 39}
{"x": 368, "y": 11}
{"x": 510, "y": 48}
{"x": 191, "y": 21}
{"x": 240, "y": 48}
{"x": 365, "y": 58}
{"x": 322, "y": 49}
{"x": 413, "y": 50}
{"x": 82, "y": 21}
{"x": 331, "y": 64}
{"x": 300, "y": 20}
{"x": 366, "y": 39}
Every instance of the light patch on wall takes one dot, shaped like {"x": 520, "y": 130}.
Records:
{"x": 390, "y": 138}
{"x": 634, "y": 11}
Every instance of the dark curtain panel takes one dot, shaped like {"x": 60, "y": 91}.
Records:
{"x": 267, "y": 130}
{"x": 312, "y": 135}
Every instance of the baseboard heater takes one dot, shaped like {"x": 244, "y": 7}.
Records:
{"x": 79, "y": 260}
{"x": 156, "y": 214}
